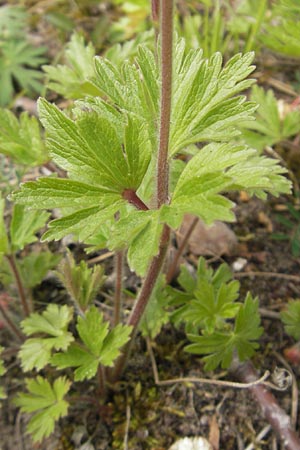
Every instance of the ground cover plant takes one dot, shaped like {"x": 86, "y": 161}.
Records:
{"x": 145, "y": 142}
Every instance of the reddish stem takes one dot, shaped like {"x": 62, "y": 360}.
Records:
{"x": 131, "y": 197}
{"x": 19, "y": 283}
{"x": 10, "y": 324}
{"x": 173, "y": 267}
{"x": 276, "y": 416}
{"x": 166, "y": 33}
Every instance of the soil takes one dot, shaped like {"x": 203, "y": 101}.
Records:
{"x": 151, "y": 417}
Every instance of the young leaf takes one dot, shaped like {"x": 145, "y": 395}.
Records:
{"x": 220, "y": 346}
{"x": 71, "y": 80}
{"x": 101, "y": 346}
{"x": 21, "y": 139}
{"x": 47, "y": 402}
{"x": 35, "y": 266}
{"x": 36, "y": 352}
{"x": 270, "y": 126}
{"x": 81, "y": 282}
{"x": 24, "y": 224}
{"x": 291, "y": 319}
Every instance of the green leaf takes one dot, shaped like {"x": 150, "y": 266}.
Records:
{"x": 34, "y": 267}
{"x": 140, "y": 232}
{"x": 101, "y": 346}
{"x": 21, "y": 139}
{"x": 270, "y": 125}
{"x": 291, "y": 319}
{"x": 221, "y": 346}
{"x": 18, "y": 63}
{"x": 81, "y": 282}
{"x": 48, "y": 403}
{"x": 204, "y": 106}
{"x": 71, "y": 80}
{"x": 156, "y": 314}
{"x": 36, "y": 352}
{"x": 24, "y": 225}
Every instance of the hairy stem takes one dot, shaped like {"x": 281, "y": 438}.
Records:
{"x": 119, "y": 263}
{"x": 101, "y": 382}
{"x": 276, "y": 416}
{"x": 133, "y": 199}
{"x": 19, "y": 283}
{"x": 15, "y": 330}
{"x": 162, "y": 172}
{"x": 173, "y": 267}
{"x": 142, "y": 300}
{"x": 166, "y": 33}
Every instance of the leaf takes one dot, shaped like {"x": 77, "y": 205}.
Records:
{"x": 48, "y": 403}
{"x": 36, "y": 352}
{"x": 220, "y": 346}
{"x": 35, "y": 266}
{"x": 156, "y": 314}
{"x": 101, "y": 346}
{"x": 24, "y": 225}
{"x": 18, "y": 63}
{"x": 291, "y": 319}
{"x": 204, "y": 106}
{"x": 21, "y": 139}
{"x": 71, "y": 80}
{"x": 218, "y": 168}
{"x": 270, "y": 126}
{"x": 140, "y": 232}
{"x": 82, "y": 283}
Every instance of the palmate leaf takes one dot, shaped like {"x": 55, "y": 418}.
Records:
{"x": 269, "y": 127}
{"x": 24, "y": 225}
{"x": 36, "y": 352}
{"x": 21, "y": 139}
{"x": 72, "y": 79}
{"x": 99, "y": 167}
{"x": 219, "y": 168}
{"x": 101, "y": 346}
{"x": 220, "y": 346}
{"x": 47, "y": 401}
{"x": 35, "y": 266}
{"x": 204, "y": 106}
{"x": 18, "y": 63}
{"x": 207, "y": 300}
{"x": 291, "y": 319}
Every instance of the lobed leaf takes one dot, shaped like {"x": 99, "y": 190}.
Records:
{"x": 47, "y": 401}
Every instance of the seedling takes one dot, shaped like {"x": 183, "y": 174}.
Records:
{"x": 125, "y": 191}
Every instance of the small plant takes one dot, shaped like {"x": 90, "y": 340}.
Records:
{"x": 274, "y": 121}
{"x": 19, "y": 60}
{"x": 292, "y": 225}
{"x": 124, "y": 190}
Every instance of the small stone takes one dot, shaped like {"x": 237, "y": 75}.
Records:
{"x": 195, "y": 443}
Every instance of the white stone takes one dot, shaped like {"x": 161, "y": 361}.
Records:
{"x": 195, "y": 443}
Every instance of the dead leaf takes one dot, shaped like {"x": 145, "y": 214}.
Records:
{"x": 214, "y": 433}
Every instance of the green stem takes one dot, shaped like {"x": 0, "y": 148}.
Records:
{"x": 254, "y": 30}
{"x": 19, "y": 283}
{"x": 119, "y": 263}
